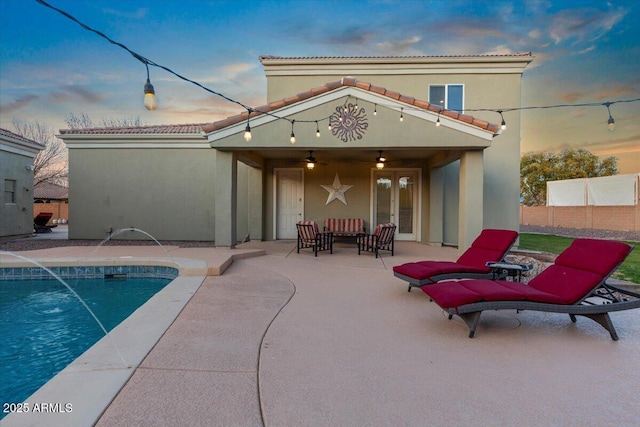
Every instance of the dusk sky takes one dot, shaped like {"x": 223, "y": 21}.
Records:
{"x": 585, "y": 52}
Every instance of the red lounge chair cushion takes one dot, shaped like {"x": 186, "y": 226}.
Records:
{"x": 568, "y": 285}
{"x": 499, "y": 240}
{"x": 478, "y": 257}
{"x": 455, "y": 294}
{"x": 425, "y": 269}
{"x": 598, "y": 256}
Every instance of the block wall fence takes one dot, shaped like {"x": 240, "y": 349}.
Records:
{"x": 623, "y": 218}
{"x": 59, "y": 210}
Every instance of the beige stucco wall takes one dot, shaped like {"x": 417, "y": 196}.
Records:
{"x": 166, "y": 192}
{"x": 16, "y": 218}
{"x": 486, "y": 85}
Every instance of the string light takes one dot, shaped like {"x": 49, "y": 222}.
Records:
{"x": 150, "y": 91}
{"x": 401, "y": 116}
{"x": 375, "y": 109}
{"x": 503, "y": 125}
{"x": 317, "y": 130}
{"x": 610, "y": 122}
{"x": 438, "y": 120}
{"x": 150, "y": 102}
{"x": 293, "y": 135}
{"x": 247, "y": 130}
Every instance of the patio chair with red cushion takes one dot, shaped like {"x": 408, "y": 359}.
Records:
{"x": 490, "y": 246}
{"x": 310, "y": 237}
{"x": 575, "y": 285}
{"x": 40, "y": 222}
{"x": 382, "y": 239}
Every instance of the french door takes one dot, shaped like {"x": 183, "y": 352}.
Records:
{"x": 289, "y": 202}
{"x": 396, "y": 199}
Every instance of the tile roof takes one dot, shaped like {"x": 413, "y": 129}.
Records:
{"x": 9, "y": 134}
{"x": 352, "y": 82}
{"x": 47, "y": 190}
{"x": 195, "y": 128}
{"x": 275, "y": 57}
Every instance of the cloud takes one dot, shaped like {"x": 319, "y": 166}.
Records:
{"x": 74, "y": 92}
{"x": 398, "y": 46}
{"x": 141, "y": 13}
{"x": 535, "y": 33}
{"x": 619, "y": 90}
{"x": 349, "y": 36}
{"x": 570, "y": 97}
{"x": 586, "y": 50}
{"x": 583, "y": 24}
{"x": 17, "y": 104}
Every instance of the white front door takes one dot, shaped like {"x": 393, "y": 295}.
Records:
{"x": 289, "y": 202}
{"x": 395, "y": 199}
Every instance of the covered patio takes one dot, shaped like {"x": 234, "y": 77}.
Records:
{"x": 288, "y": 339}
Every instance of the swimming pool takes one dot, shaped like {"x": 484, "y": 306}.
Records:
{"x": 45, "y": 327}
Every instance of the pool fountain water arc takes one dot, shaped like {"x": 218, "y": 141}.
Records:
{"x": 59, "y": 279}
{"x": 132, "y": 229}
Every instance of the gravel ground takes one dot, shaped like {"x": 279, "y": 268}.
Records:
{"x": 32, "y": 244}
{"x": 28, "y": 244}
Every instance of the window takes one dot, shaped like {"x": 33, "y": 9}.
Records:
{"x": 9, "y": 191}
{"x": 450, "y": 97}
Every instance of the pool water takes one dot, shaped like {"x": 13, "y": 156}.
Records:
{"x": 44, "y": 327}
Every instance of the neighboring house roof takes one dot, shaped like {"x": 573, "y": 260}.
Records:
{"x": 130, "y": 130}
{"x": 351, "y": 82}
{"x": 10, "y": 136}
{"x": 47, "y": 190}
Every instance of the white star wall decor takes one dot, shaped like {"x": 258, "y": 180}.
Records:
{"x": 336, "y": 190}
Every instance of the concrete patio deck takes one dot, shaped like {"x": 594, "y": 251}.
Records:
{"x": 287, "y": 339}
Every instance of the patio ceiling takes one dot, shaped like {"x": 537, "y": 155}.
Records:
{"x": 395, "y": 156}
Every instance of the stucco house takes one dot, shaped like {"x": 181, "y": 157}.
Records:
{"x": 448, "y": 173}
{"x": 16, "y": 184}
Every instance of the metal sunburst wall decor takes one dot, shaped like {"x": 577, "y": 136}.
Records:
{"x": 349, "y": 122}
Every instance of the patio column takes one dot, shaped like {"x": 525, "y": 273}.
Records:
{"x": 226, "y": 196}
{"x": 470, "y": 220}
{"x": 436, "y": 206}
{"x": 255, "y": 203}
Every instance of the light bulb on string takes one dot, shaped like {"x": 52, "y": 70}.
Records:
{"x": 375, "y": 109}
{"x": 150, "y": 102}
{"x": 503, "y": 125}
{"x": 317, "y": 130}
{"x": 610, "y": 122}
{"x": 438, "y": 120}
{"x": 293, "y": 135}
{"x": 401, "y": 114}
{"x": 247, "y": 130}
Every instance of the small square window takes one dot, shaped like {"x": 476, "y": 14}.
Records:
{"x": 9, "y": 191}
{"x": 450, "y": 97}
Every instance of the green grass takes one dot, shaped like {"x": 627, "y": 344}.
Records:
{"x": 629, "y": 270}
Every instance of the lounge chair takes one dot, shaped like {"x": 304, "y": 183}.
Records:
{"x": 382, "y": 239}
{"x": 310, "y": 237}
{"x": 575, "y": 285}
{"x": 490, "y": 246}
{"x": 40, "y": 222}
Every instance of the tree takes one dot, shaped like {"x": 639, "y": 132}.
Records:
{"x": 538, "y": 168}
{"x": 83, "y": 121}
{"x": 51, "y": 164}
